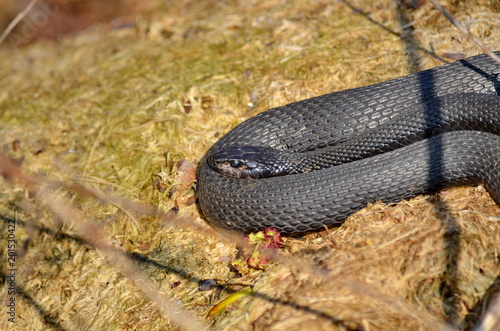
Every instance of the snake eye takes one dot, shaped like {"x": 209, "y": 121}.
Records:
{"x": 235, "y": 163}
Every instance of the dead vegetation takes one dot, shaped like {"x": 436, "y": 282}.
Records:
{"x": 107, "y": 235}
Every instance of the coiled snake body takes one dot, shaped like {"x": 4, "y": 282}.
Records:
{"x": 310, "y": 164}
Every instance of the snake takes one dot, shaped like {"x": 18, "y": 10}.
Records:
{"x": 309, "y": 165}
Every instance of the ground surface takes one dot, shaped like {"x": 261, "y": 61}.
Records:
{"x": 116, "y": 107}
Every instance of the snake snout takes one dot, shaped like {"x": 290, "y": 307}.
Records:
{"x": 247, "y": 162}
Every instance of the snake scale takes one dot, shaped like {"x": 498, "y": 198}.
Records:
{"x": 312, "y": 163}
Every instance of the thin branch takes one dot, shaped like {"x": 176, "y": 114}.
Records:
{"x": 90, "y": 232}
{"x": 395, "y": 33}
{"x": 465, "y": 31}
{"x": 16, "y": 20}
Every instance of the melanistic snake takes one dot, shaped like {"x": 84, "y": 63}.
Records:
{"x": 310, "y": 164}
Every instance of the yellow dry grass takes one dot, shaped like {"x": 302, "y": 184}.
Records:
{"x": 115, "y": 109}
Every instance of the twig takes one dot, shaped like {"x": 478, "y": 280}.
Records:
{"x": 16, "y": 20}
{"x": 397, "y": 34}
{"x": 465, "y": 31}
{"x": 90, "y": 232}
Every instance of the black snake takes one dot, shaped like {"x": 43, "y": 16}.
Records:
{"x": 310, "y": 164}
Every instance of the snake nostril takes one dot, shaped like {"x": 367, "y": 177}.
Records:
{"x": 256, "y": 173}
{"x": 251, "y": 164}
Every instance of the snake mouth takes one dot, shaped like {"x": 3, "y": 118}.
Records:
{"x": 240, "y": 169}
{"x": 227, "y": 168}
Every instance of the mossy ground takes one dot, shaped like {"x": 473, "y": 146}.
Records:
{"x": 117, "y": 108}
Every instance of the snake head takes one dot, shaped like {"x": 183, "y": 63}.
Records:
{"x": 249, "y": 162}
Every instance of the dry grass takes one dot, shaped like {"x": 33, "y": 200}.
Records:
{"x": 104, "y": 108}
